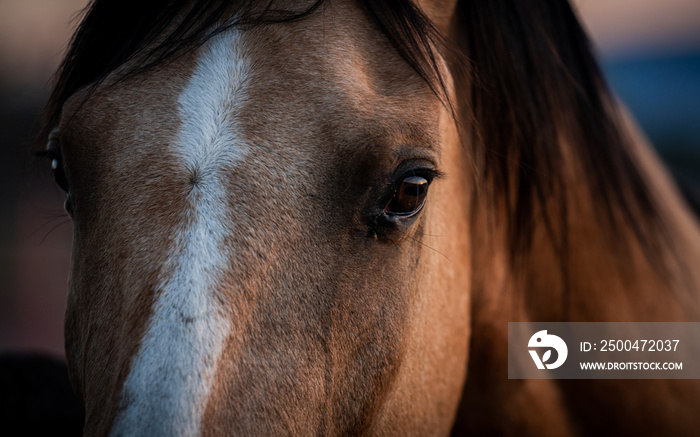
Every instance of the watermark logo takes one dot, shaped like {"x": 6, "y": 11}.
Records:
{"x": 548, "y": 342}
{"x": 604, "y": 350}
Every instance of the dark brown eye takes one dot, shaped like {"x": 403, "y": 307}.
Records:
{"x": 53, "y": 155}
{"x": 409, "y": 198}
{"x": 58, "y": 172}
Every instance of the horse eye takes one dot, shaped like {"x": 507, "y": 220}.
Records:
{"x": 57, "y": 168}
{"x": 59, "y": 174}
{"x": 409, "y": 198}
{"x": 53, "y": 154}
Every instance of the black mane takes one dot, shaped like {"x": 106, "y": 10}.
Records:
{"x": 531, "y": 79}
{"x": 535, "y": 83}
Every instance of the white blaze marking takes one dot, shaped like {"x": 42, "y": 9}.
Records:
{"x": 171, "y": 376}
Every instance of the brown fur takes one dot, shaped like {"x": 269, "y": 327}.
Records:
{"x": 334, "y": 330}
{"x": 126, "y": 206}
{"x": 326, "y": 351}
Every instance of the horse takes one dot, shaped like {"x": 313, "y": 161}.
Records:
{"x": 317, "y": 218}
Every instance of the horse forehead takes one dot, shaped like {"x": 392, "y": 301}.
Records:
{"x": 333, "y": 66}
{"x": 336, "y": 59}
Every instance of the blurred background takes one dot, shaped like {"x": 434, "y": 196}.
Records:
{"x": 649, "y": 49}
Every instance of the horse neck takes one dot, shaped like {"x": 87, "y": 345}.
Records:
{"x": 585, "y": 270}
{"x": 596, "y": 277}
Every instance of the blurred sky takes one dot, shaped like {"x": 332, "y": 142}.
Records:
{"x": 624, "y": 28}
{"x": 650, "y": 51}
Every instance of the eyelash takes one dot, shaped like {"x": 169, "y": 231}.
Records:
{"x": 429, "y": 174}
